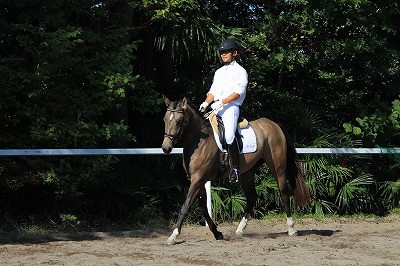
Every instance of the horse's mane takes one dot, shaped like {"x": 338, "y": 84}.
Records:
{"x": 194, "y": 109}
{"x": 191, "y": 107}
{"x": 199, "y": 115}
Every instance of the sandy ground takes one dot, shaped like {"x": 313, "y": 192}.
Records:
{"x": 319, "y": 242}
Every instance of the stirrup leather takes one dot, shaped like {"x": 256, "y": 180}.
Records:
{"x": 234, "y": 175}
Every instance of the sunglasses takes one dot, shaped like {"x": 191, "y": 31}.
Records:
{"x": 226, "y": 51}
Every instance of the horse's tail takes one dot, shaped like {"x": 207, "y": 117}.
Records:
{"x": 294, "y": 173}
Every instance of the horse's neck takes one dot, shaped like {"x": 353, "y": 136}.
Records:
{"x": 196, "y": 128}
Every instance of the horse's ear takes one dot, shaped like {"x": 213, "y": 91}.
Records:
{"x": 166, "y": 100}
{"x": 184, "y": 102}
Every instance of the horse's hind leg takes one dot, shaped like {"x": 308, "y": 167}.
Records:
{"x": 203, "y": 207}
{"x": 285, "y": 194}
{"x": 247, "y": 180}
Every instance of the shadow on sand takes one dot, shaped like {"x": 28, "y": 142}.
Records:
{"x": 52, "y": 236}
{"x": 299, "y": 233}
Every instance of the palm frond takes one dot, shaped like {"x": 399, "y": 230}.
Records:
{"x": 391, "y": 192}
{"x": 354, "y": 195}
{"x": 322, "y": 207}
{"x": 237, "y": 204}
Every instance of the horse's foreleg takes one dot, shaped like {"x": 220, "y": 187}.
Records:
{"x": 203, "y": 207}
{"x": 247, "y": 180}
{"x": 190, "y": 199}
{"x": 184, "y": 210}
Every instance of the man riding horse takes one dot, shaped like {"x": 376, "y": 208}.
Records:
{"x": 227, "y": 93}
{"x": 202, "y": 161}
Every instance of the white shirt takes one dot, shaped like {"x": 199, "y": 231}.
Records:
{"x": 229, "y": 79}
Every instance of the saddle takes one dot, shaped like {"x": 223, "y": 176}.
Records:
{"x": 218, "y": 126}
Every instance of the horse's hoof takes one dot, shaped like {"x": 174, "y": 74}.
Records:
{"x": 239, "y": 233}
{"x": 219, "y": 236}
{"x": 171, "y": 241}
{"x": 292, "y": 232}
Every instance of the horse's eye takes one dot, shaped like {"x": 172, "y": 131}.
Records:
{"x": 179, "y": 123}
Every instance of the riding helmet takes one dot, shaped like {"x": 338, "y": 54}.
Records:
{"x": 229, "y": 44}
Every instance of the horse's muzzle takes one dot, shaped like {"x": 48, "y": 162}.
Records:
{"x": 167, "y": 146}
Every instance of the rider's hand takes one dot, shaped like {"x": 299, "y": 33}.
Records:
{"x": 203, "y": 106}
{"x": 216, "y": 105}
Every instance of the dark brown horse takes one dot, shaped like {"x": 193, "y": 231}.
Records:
{"x": 202, "y": 159}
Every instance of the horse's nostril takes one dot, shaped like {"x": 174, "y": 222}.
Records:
{"x": 166, "y": 149}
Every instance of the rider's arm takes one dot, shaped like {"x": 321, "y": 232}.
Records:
{"x": 230, "y": 98}
{"x": 210, "y": 98}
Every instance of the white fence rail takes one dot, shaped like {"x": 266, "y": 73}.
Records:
{"x": 155, "y": 151}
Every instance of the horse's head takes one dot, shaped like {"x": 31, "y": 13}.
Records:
{"x": 175, "y": 120}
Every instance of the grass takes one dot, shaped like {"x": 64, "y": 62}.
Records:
{"x": 395, "y": 211}
{"x": 318, "y": 217}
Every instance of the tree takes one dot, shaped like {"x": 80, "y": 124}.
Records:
{"x": 89, "y": 74}
{"x": 66, "y": 81}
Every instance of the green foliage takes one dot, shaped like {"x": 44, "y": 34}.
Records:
{"x": 228, "y": 204}
{"x": 269, "y": 199}
{"x": 323, "y": 54}
{"x": 354, "y": 194}
{"x": 382, "y": 127}
{"x": 70, "y": 87}
{"x": 69, "y": 175}
{"x": 69, "y": 220}
{"x": 181, "y": 28}
{"x": 337, "y": 184}
{"x": 391, "y": 193}
{"x": 85, "y": 75}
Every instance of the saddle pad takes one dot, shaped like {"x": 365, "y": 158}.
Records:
{"x": 248, "y": 137}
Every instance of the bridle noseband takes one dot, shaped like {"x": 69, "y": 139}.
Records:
{"x": 177, "y": 137}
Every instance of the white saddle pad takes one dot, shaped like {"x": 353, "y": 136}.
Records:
{"x": 248, "y": 137}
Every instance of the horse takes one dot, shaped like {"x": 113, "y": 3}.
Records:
{"x": 202, "y": 162}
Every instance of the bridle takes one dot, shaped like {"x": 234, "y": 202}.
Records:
{"x": 177, "y": 137}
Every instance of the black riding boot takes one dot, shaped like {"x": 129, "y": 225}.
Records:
{"x": 233, "y": 150}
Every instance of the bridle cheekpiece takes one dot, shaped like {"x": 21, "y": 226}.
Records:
{"x": 177, "y": 137}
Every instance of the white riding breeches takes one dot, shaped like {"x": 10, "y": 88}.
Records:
{"x": 230, "y": 115}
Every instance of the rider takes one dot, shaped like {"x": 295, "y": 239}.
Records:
{"x": 228, "y": 91}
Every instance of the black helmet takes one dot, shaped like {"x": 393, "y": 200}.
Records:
{"x": 229, "y": 45}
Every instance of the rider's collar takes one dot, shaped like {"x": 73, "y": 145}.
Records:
{"x": 230, "y": 63}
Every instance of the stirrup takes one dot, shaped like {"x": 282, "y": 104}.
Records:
{"x": 234, "y": 175}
